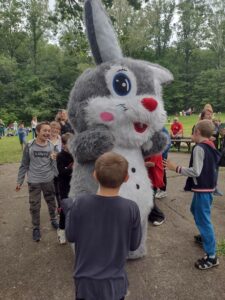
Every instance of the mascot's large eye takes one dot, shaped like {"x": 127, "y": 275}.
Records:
{"x": 121, "y": 84}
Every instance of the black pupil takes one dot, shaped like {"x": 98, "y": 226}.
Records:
{"x": 121, "y": 84}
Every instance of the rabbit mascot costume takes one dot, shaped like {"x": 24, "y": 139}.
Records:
{"x": 116, "y": 106}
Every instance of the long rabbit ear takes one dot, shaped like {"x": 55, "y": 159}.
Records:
{"x": 163, "y": 75}
{"x": 100, "y": 32}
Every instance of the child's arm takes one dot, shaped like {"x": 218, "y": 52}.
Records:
{"x": 195, "y": 170}
{"x": 62, "y": 168}
{"x": 149, "y": 164}
{"x": 70, "y": 209}
{"x": 136, "y": 233}
{"x": 24, "y": 166}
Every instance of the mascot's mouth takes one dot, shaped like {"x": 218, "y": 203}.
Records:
{"x": 140, "y": 127}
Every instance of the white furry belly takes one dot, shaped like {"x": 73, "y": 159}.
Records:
{"x": 138, "y": 188}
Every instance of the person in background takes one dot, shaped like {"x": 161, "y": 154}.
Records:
{"x": 64, "y": 122}
{"x": 155, "y": 172}
{"x": 39, "y": 162}
{"x": 22, "y": 134}
{"x": 176, "y": 131}
{"x": 2, "y": 129}
{"x": 65, "y": 168}
{"x": 15, "y": 127}
{"x": 161, "y": 193}
{"x": 55, "y": 136}
{"x": 216, "y": 132}
{"x": 56, "y": 140}
{"x": 34, "y": 123}
{"x": 202, "y": 179}
{"x": 104, "y": 228}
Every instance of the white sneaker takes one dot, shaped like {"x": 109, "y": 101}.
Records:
{"x": 158, "y": 223}
{"x": 61, "y": 236}
{"x": 161, "y": 194}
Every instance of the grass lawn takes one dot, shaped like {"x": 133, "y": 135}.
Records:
{"x": 10, "y": 149}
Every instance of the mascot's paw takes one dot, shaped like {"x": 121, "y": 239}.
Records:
{"x": 139, "y": 253}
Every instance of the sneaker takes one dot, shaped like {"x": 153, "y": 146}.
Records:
{"x": 61, "y": 236}
{"x": 217, "y": 192}
{"x": 158, "y": 222}
{"x": 198, "y": 239}
{"x": 160, "y": 194}
{"x": 206, "y": 263}
{"x": 55, "y": 224}
{"x": 36, "y": 234}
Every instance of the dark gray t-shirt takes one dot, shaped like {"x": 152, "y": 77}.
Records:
{"x": 104, "y": 230}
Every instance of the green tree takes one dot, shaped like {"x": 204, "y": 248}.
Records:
{"x": 11, "y": 26}
{"x": 37, "y": 25}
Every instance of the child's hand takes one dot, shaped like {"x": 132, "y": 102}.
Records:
{"x": 70, "y": 166}
{"x": 168, "y": 164}
{"x": 18, "y": 187}
{"x": 149, "y": 164}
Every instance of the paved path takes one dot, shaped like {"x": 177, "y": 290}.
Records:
{"x": 43, "y": 271}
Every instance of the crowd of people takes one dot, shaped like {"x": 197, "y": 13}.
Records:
{"x": 48, "y": 164}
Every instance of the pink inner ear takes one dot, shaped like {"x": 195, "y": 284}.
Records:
{"x": 106, "y": 116}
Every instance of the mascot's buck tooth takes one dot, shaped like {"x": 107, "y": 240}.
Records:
{"x": 116, "y": 106}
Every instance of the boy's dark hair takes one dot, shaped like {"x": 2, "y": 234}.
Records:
{"x": 39, "y": 125}
{"x": 65, "y": 137}
{"x": 111, "y": 169}
{"x": 205, "y": 127}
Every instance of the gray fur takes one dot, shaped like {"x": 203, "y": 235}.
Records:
{"x": 158, "y": 144}
{"x": 90, "y": 144}
{"x": 90, "y": 84}
{"x": 101, "y": 34}
{"x": 83, "y": 182}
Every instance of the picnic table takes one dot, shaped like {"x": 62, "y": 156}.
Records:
{"x": 178, "y": 141}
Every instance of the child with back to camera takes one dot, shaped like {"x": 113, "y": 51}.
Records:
{"x": 104, "y": 228}
{"x": 65, "y": 168}
{"x": 202, "y": 180}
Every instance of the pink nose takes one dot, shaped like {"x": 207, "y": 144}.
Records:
{"x": 149, "y": 103}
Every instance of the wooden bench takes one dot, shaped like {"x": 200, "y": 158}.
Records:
{"x": 177, "y": 142}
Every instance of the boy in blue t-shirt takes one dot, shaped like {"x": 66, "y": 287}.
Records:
{"x": 202, "y": 180}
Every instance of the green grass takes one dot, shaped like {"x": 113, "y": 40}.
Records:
{"x": 10, "y": 149}
{"x": 221, "y": 248}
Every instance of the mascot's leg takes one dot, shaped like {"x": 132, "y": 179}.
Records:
{"x": 141, "y": 251}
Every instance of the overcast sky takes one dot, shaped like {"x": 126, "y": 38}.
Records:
{"x": 51, "y": 3}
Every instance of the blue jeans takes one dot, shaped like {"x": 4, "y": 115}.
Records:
{"x": 201, "y": 210}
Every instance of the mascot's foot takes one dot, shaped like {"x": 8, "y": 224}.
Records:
{"x": 139, "y": 253}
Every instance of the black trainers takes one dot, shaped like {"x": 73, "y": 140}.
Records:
{"x": 156, "y": 217}
{"x": 55, "y": 224}
{"x": 36, "y": 234}
{"x": 198, "y": 239}
{"x": 206, "y": 263}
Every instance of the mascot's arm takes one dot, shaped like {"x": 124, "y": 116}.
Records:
{"x": 90, "y": 144}
{"x": 156, "y": 145}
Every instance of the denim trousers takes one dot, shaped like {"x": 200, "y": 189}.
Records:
{"x": 201, "y": 210}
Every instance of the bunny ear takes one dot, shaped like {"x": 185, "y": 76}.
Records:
{"x": 101, "y": 34}
{"x": 163, "y": 75}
